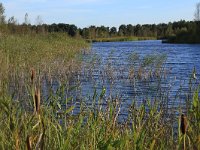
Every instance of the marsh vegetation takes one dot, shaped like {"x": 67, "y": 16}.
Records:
{"x": 40, "y": 109}
{"x": 45, "y": 104}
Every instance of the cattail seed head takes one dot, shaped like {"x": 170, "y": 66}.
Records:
{"x": 140, "y": 72}
{"x": 17, "y": 142}
{"x": 33, "y": 74}
{"x": 184, "y": 124}
{"x": 37, "y": 100}
{"x": 28, "y": 143}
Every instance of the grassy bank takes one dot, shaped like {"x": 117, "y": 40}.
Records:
{"x": 53, "y": 57}
{"x": 37, "y": 49}
{"x": 29, "y": 119}
{"x": 118, "y": 39}
{"x": 48, "y": 54}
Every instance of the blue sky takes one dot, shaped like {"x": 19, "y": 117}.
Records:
{"x": 84, "y": 13}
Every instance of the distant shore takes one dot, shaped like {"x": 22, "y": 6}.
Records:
{"x": 118, "y": 39}
{"x": 169, "y": 41}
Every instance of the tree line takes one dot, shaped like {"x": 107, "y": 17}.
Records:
{"x": 179, "y": 31}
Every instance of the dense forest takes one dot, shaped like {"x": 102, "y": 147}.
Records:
{"x": 181, "y": 31}
{"x": 174, "y": 32}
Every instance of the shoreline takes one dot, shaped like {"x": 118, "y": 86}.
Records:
{"x": 120, "y": 39}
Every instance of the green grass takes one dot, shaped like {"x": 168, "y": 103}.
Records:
{"x": 29, "y": 120}
{"x": 33, "y": 50}
{"x": 118, "y": 39}
{"x": 49, "y": 54}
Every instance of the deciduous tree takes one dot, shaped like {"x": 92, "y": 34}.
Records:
{"x": 2, "y": 17}
{"x": 197, "y": 12}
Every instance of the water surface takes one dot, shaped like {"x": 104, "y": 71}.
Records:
{"x": 108, "y": 65}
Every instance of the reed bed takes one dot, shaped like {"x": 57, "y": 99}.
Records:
{"x": 95, "y": 127}
{"x": 53, "y": 56}
{"x": 29, "y": 119}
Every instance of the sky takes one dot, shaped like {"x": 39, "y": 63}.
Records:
{"x": 84, "y": 13}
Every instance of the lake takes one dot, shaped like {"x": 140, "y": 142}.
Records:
{"x": 109, "y": 66}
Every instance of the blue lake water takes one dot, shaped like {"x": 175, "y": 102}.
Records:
{"x": 108, "y": 65}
